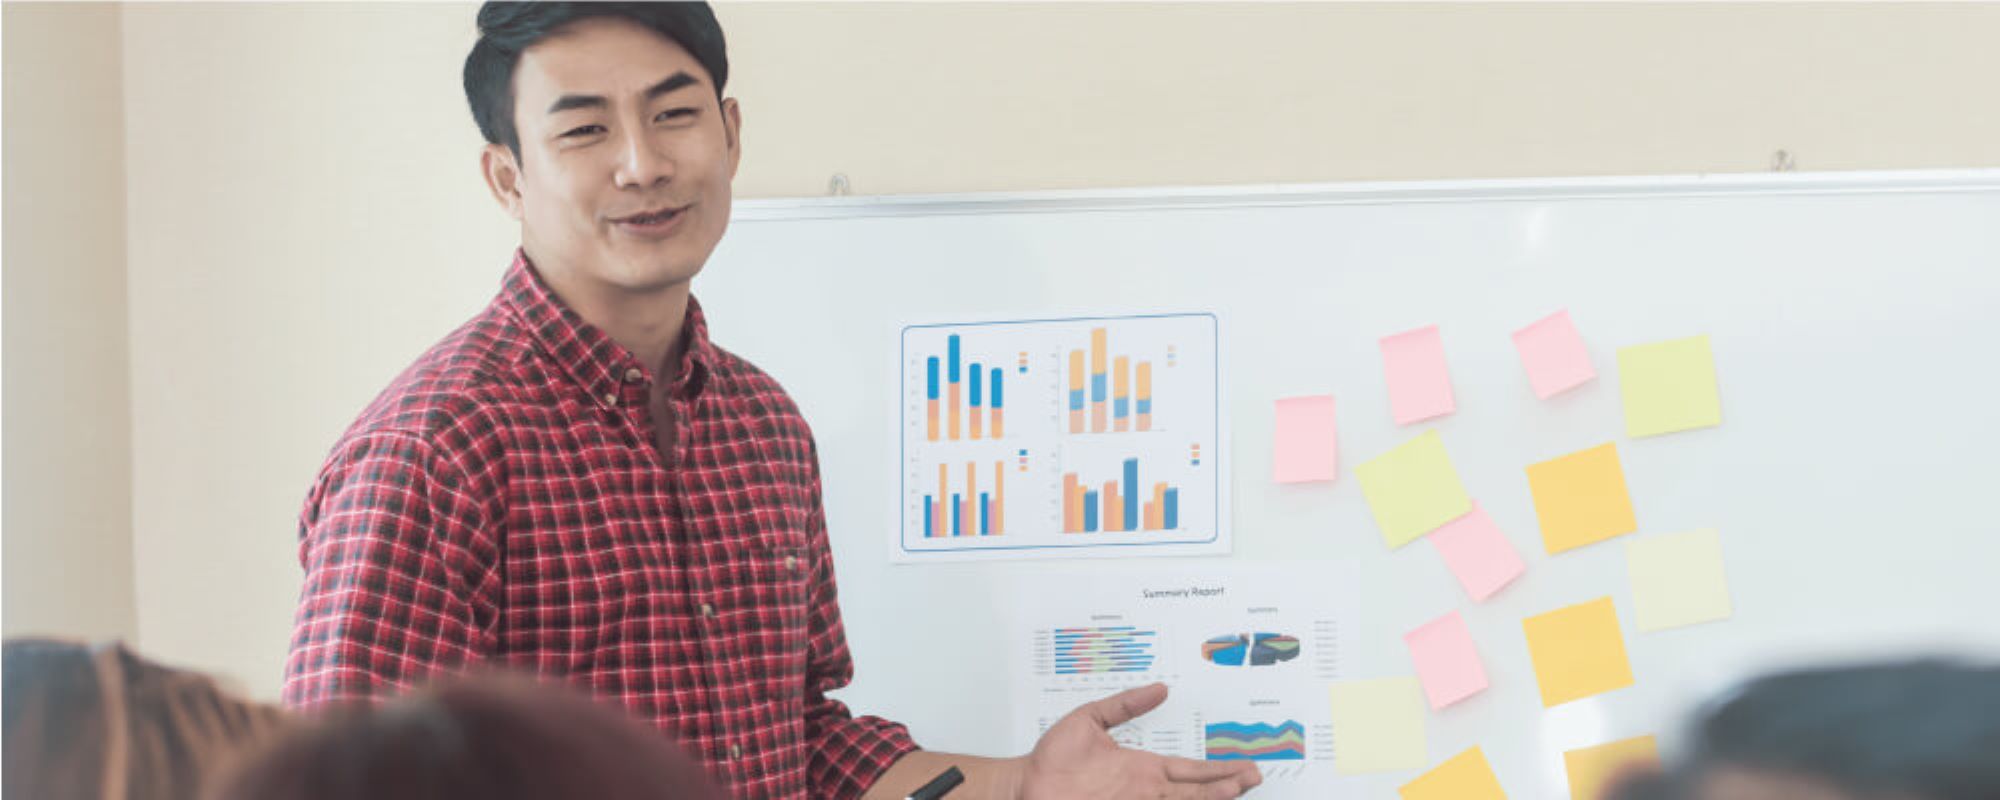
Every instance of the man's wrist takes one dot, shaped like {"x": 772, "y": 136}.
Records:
{"x": 1009, "y": 776}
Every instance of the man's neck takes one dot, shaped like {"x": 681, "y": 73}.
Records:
{"x": 648, "y": 324}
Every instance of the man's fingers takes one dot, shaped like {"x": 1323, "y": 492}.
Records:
{"x": 1187, "y": 770}
{"x": 1127, "y": 705}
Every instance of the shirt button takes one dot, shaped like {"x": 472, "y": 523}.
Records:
{"x": 610, "y": 400}
{"x": 708, "y": 610}
{"x": 736, "y": 751}
{"x": 634, "y": 375}
{"x": 792, "y": 563}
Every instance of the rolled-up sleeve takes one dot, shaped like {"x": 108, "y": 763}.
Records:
{"x": 400, "y": 562}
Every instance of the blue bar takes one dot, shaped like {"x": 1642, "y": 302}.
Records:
{"x": 1076, "y": 400}
{"x": 927, "y": 517}
{"x": 977, "y": 373}
{"x": 996, "y": 386}
{"x": 1089, "y": 512}
{"x": 1097, "y": 387}
{"x": 985, "y": 528}
{"x": 1132, "y": 495}
{"x": 1171, "y": 515}
{"x": 931, "y": 378}
{"x": 1120, "y": 407}
{"x": 956, "y": 527}
{"x": 1145, "y": 405}
{"x": 953, "y": 347}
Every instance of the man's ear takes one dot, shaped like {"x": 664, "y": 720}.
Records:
{"x": 503, "y": 177}
{"x": 732, "y": 127}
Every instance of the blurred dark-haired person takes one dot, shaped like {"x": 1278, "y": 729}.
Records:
{"x": 99, "y": 723}
{"x": 578, "y": 482}
{"x": 487, "y": 738}
{"x": 1915, "y": 730}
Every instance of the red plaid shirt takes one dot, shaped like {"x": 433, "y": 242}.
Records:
{"x": 503, "y": 501}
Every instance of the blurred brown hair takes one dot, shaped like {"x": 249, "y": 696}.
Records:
{"x": 491, "y": 737}
{"x": 99, "y": 723}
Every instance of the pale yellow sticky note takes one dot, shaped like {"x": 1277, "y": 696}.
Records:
{"x": 1677, "y": 580}
{"x": 1413, "y": 489}
{"x": 1669, "y": 386}
{"x": 1378, "y": 725}
{"x": 1578, "y": 651}
{"x": 1581, "y": 498}
{"x": 1465, "y": 776}
{"x": 1592, "y": 768}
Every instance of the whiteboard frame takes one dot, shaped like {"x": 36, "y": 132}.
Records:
{"x": 1371, "y": 192}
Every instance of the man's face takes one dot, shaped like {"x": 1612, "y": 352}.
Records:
{"x": 626, "y": 158}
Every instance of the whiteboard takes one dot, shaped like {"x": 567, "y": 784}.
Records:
{"x": 1852, "y": 316}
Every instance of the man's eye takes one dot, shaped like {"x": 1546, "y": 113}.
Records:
{"x": 675, "y": 113}
{"x": 584, "y": 130}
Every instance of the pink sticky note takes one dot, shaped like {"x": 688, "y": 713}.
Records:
{"x": 1419, "y": 380}
{"x": 1447, "y": 662}
{"x": 1305, "y": 444}
{"x": 1553, "y": 353}
{"x": 1478, "y": 553}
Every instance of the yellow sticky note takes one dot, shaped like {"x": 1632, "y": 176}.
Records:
{"x": 1413, "y": 489}
{"x": 1669, "y": 386}
{"x": 1465, "y": 776}
{"x": 1577, "y": 651}
{"x": 1677, "y": 580}
{"x": 1378, "y": 725}
{"x": 1592, "y": 768}
{"x": 1581, "y": 498}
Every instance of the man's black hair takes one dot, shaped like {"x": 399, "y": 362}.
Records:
{"x": 1925, "y": 729}
{"x": 507, "y": 28}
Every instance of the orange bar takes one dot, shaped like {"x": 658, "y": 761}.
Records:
{"x": 953, "y": 425}
{"x": 996, "y": 422}
{"x": 931, "y": 427}
{"x": 999, "y": 495}
{"x": 973, "y": 420}
{"x": 1145, "y": 395}
{"x": 1098, "y": 350}
{"x": 1112, "y": 509}
{"x": 1080, "y": 493}
{"x": 1121, "y": 393}
{"x": 1072, "y": 505}
{"x": 971, "y": 499}
{"x": 943, "y": 501}
{"x": 1159, "y": 506}
{"x": 1075, "y": 387}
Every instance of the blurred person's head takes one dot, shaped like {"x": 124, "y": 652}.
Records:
{"x": 99, "y": 723}
{"x": 491, "y": 738}
{"x": 1901, "y": 731}
{"x": 608, "y": 138}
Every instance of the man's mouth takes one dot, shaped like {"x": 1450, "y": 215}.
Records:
{"x": 650, "y": 217}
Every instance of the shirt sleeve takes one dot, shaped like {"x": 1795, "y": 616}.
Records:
{"x": 846, "y": 754}
{"x": 400, "y": 561}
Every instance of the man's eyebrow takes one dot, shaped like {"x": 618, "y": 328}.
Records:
{"x": 672, "y": 83}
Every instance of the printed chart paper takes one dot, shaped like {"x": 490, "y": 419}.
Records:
{"x": 1088, "y": 436}
{"x": 1247, "y": 653}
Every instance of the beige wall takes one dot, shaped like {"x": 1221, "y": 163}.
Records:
{"x": 304, "y": 213}
{"x": 68, "y": 512}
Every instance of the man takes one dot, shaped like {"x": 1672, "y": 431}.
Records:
{"x": 579, "y": 483}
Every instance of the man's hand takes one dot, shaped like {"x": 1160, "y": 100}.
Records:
{"x": 1077, "y": 758}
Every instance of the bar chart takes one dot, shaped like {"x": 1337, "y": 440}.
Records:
{"x": 962, "y": 399}
{"x": 968, "y": 511}
{"x": 1119, "y": 504}
{"x": 1116, "y": 391}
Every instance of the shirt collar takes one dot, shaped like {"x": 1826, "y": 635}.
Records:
{"x": 600, "y": 366}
